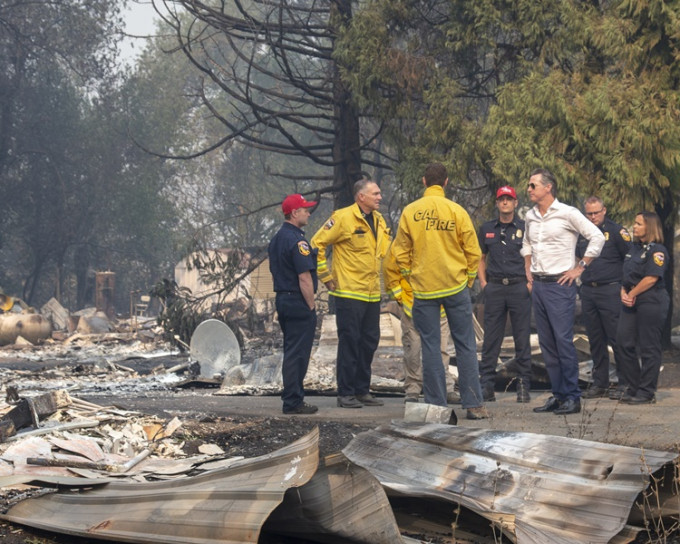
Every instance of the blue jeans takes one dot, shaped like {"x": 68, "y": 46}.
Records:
{"x": 554, "y": 307}
{"x": 426, "y": 316}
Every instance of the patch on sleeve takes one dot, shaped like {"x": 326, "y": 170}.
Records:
{"x": 625, "y": 235}
{"x": 303, "y": 248}
{"x": 659, "y": 258}
{"x": 329, "y": 224}
{"x": 490, "y": 235}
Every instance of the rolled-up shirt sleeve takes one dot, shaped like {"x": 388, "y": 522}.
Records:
{"x": 590, "y": 232}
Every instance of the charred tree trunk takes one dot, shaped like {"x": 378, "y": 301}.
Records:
{"x": 347, "y": 144}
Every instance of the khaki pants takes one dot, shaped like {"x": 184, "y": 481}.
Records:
{"x": 413, "y": 368}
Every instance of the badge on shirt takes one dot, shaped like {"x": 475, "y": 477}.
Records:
{"x": 625, "y": 235}
{"x": 658, "y": 258}
{"x": 606, "y": 236}
{"x": 518, "y": 233}
{"x": 329, "y": 224}
{"x": 303, "y": 248}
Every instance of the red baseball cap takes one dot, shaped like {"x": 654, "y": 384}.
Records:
{"x": 293, "y": 202}
{"x": 506, "y": 190}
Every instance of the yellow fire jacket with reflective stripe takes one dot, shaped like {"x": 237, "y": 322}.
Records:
{"x": 398, "y": 286}
{"x": 356, "y": 253}
{"x": 436, "y": 246}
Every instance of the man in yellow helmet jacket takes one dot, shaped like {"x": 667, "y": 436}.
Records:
{"x": 360, "y": 239}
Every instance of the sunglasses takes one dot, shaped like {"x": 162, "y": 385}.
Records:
{"x": 532, "y": 186}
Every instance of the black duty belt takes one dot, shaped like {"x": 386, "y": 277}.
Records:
{"x": 547, "y": 279}
{"x": 288, "y": 292}
{"x": 599, "y": 283}
{"x": 507, "y": 281}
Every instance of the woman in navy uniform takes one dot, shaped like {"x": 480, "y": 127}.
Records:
{"x": 645, "y": 303}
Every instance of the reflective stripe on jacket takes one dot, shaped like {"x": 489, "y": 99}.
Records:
{"x": 398, "y": 286}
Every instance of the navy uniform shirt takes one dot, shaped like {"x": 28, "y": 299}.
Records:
{"x": 501, "y": 243}
{"x": 608, "y": 266}
{"x": 290, "y": 255}
{"x": 645, "y": 260}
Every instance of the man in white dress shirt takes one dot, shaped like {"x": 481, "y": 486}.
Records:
{"x": 552, "y": 230}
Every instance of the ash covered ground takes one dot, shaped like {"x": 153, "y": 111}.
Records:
{"x": 118, "y": 371}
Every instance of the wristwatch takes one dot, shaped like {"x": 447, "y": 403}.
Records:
{"x": 582, "y": 264}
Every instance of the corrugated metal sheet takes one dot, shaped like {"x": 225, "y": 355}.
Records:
{"x": 342, "y": 503}
{"x": 535, "y": 488}
{"x": 225, "y": 505}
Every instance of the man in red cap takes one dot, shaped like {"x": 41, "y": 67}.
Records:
{"x": 293, "y": 266}
{"x": 502, "y": 277}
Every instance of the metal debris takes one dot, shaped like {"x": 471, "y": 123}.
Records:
{"x": 215, "y": 347}
{"x": 223, "y": 506}
{"x": 532, "y": 488}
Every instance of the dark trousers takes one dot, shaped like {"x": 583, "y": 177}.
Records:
{"x": 358, "y": 324}
{"x": 554, "y": 306}
{"x": 499, "y": 301}
{"x": 600, "y": 307}
{"x": 298, "y": 324}
{"x": 641, "y": 327}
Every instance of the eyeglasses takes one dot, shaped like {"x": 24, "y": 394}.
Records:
{"x": 595, "y": 213}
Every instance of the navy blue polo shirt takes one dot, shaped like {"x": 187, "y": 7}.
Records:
{"x": 645, "y": 260}
{"x": 607, "y": 267}
{"x": 289, "y": 256}
{"x": 501, "y": 243}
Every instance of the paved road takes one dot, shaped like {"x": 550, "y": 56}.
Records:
{"x": 651, "y": 426}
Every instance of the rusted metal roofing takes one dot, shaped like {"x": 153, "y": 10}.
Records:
{"x": 534, "y": 488}
{"x": 225, "y": 505}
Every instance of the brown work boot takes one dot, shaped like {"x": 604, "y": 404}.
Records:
{"x": 479, "y": 412}
{"x": 453, "y": 398}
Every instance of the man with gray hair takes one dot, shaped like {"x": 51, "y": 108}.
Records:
{"x": 549, "y": 250}
{"x": 359, "y": 237}
{"x": 600, "y": 297}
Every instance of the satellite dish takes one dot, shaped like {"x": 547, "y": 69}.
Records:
{"x": 215, "y": 347}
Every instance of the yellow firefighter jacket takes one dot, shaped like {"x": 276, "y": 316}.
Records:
{"x": 357, "y": 253}
{"x": 398, "y": 286}
{"x": 436, "y": 246}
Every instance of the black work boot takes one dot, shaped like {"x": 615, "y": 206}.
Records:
{"x": 523, "y": 388}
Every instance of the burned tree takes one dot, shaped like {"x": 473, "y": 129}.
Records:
{"x": 270, "y": 78}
